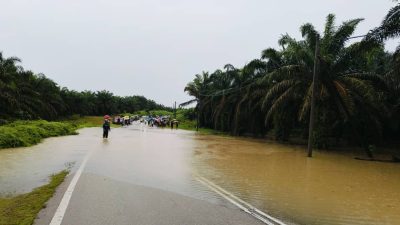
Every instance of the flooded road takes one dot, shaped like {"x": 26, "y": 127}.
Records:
{"x": 22, "y": 169}
{"x": 327, "y": 189}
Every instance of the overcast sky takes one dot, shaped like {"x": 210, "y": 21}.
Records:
{"x": 155, "y": 47}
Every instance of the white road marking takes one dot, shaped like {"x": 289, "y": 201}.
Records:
{"x": 60, "y": 212}
{"x": 248, "y": 208}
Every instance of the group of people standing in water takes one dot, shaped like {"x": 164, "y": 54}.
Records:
{"x": 126, "y": 120}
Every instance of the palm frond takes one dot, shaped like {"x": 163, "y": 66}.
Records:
{"x": 345, "y": 97}
{"x": 188, "y": 102}
{"x": 309, "y": 33}
{"x": 306, "y": 104}
{"x": 277, "y": 90}
{"x": 372, "y": 77}
{"x": 329, "y": 26}
{"x": 286, "y": 72}
{"x": 361, "y": 88}
{"x": 279, "y": 102}
{"x": 341, "y": 36}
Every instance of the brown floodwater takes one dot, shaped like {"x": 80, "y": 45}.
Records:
{"x": 22, "y": 169}
{"x": 330, "y": 188}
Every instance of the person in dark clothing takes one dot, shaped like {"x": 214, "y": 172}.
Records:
{"x": 106, "y": 128}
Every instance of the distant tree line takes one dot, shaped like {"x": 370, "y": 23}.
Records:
{"x": 357, "y": 99}
{"x": 26, "y": 95}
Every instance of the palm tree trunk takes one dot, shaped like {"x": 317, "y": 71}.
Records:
{"x": 198, "y": 116}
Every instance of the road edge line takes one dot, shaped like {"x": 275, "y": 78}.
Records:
{"x": 248, "y": 208}
{"x": 62, "y": 207}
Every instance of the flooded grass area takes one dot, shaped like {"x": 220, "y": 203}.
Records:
{"x": 23, "y": 169}
{"x": 22, "y": 209}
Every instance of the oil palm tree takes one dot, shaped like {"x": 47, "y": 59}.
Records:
{"x": 8, "y": 87}
{"x": 223, "y": 83}
{"x": 390, "y": 26}
{"x": 389, "y": 29}
{"x": 342, "y": 86}
{"x": 246, "y": 89}
{"x": 198, "y": 89}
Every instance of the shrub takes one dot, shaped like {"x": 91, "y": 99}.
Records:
{"x": 26, "y": 133}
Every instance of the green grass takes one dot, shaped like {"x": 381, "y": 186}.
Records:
{"x": 154, "y": 113}
{"x": 191, "y": 125}
{"x": 87, "y": 121}
{"x": 22, "y": 209}
{"x": 27, "y": 133}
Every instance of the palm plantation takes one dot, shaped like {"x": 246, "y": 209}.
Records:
{"x": 357, "y": 94}
{"x": 26, "y": 95}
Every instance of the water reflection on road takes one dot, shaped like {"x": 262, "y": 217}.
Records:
{"x": 327, "y": 189}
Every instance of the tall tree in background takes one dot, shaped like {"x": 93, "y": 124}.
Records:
{"x": 198, "y": 89}
{"x": 8, "y": 87}
{"x": 25, "y": 95}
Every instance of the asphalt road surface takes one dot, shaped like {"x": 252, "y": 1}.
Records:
{"x": 139, "y": 176}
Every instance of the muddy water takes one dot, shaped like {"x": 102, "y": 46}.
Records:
{"x": 330, "y": 188}
{"x": 22, "y": 169}
{"x": 327, "y": 189}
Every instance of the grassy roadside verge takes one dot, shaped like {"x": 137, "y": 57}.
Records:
{"x": 87, "y": 121}
{"x": 22, "y": 209}
{"x": 27, "y": 133}
{"x": 191, "y": 125}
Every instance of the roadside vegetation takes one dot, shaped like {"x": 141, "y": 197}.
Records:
{"x": 358, "y": 94}
{"x": 25, "y": 95}
{"x": 30, "y": 103}
{"x": 22, "y": 209}
{"x": 86, "y": 121}
{"x": 23, "y": 133}
{"x": 27, "y": 133}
